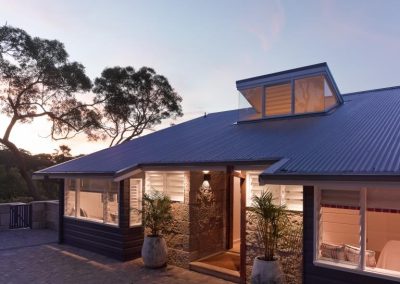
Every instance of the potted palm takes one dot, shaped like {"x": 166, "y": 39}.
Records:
{"x": 270, "y": 221}
{"x": 157, "y": 218}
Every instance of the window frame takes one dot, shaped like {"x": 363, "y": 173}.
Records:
{"x": 78, "y": 197}
{"x": 140, "y": 202}
{"x": 291, "y": 81}
{"x": 361, "y": 268}
{"x": 165, "y": 182}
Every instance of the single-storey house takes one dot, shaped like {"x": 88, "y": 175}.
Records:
{"x": 333, "y": 159}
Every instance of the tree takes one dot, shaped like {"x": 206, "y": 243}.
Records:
{"x": 134, "y": 101}
{"x": 63, "y": 154}
{"x": 38, "y": 80}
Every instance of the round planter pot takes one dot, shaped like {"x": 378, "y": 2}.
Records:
{"x": 266, "y": 272}
{"x": 154, "y": 252}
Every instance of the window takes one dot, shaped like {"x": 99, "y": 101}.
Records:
{"x": 95, "y": 200}
{"x": 289, "y": 195}
{"x": 70, "y": 197}
{"x": 278, "y": 100}
{"x": 170, "y": 183}
{"x": 250, "y": 104}
{"x": 135, "y": 188}
{"x": 359, "y": 229}
{"x": 312, "y": 94}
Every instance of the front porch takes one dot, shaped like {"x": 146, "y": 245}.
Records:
{"x": 213, "y": 233}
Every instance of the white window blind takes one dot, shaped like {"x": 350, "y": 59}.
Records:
{"x": 170, "y": 183}
{"x": 135, "y": 192}
{"x": 293, "y": 197}
{"x": 289, "y": 195}
{"x": 255, "y": 189}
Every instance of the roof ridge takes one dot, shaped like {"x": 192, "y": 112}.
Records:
{"x": 372, "y": 90}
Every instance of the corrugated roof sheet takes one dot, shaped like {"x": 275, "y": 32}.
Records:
{"x": 360, "y": 137}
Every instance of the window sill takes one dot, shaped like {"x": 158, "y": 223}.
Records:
{"x": 371, "y": 272}
{"x": 94, "y": 221}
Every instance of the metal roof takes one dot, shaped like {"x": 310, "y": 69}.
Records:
{"x": 360, "y": 137}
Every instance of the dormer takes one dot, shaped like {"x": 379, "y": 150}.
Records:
{"x": 301, "y": 91}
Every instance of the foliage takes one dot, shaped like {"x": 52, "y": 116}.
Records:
{"x": 134, "y": 101}
{"x": 157, "y": 213}
{"x": 271, "y": 221}
{"x": 38, "y": 80}
{"x": 13, "y": 188}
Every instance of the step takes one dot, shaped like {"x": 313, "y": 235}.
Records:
{"x": 219, "y": 272}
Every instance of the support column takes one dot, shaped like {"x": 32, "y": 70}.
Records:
{"x": 61, "y": 191}
{"x": 124, "y": 204}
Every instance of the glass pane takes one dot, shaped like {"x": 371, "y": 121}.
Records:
{"x": 383, "y": 231}
{"x": 135, "y": 202}
{"x": 293, "y": 197}
{"x": 91, "y": 199}
{"x": 278, "y": 100}
{"x": 250, "y": 104}
{"x": 255, "y": 189}
{"x": 339, "y": 230}
{"x": 175, "y": 186}
{"x": 70, "y": 197}
{"x": 309, "y": 94}
{"x": 111, "y": 204}
{"x": 330, "y": 99}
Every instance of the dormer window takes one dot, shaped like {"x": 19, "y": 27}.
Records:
{"x": 306, "y": 90}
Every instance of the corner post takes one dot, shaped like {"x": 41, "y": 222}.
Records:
{"x": 124, "y": 204}
{"x": 61, "y": 191}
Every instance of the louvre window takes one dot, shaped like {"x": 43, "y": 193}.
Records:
{"x": 278, "y": 100}
{"x": 289, "y": 195}
{"x": 170, "y": 183}
{"x": 135, "y": 190}
{"x": 359, "y": 230}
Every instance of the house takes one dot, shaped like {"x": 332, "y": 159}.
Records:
{"x": 333, "y": 159}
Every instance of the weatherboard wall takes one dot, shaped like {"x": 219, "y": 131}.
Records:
{"x": 122, "y": 243}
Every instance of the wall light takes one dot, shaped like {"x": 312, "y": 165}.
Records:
{"x": 206, "y": 176}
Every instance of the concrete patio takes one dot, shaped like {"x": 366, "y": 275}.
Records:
{"x": 33, "y": 256}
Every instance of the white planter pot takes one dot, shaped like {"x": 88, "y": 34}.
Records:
{"x": 154, "y": 252}
{"x": 266, "y": 272}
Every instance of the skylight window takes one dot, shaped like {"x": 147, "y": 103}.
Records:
{"x": 300, "y": 91}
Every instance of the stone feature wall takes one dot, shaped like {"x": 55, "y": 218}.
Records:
{"x": 290, "y": 248}
{"x": 200, "y": 217}
{"x": 207, "y": 214}
{"x": 178, "y": 241}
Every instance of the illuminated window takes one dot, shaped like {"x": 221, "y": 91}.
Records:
{"x": 92, "y": 199}
{"x": 170, "y": 183}
{"x": 359, "y": 229}
{"x": 278, "y": 100}
{"x": 289, "y": 195}
{"x": 135, "y": 188}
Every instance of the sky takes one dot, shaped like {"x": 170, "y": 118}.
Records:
{"x": 203, "y": 47}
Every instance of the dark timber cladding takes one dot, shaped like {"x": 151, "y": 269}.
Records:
{"x": 122, "y": 243}
{"x": 314, "y": 274}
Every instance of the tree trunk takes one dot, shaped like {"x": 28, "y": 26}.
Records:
{"x": 22, "y": 168}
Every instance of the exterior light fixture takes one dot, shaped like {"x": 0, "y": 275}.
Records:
{"x": 206, "y": 176}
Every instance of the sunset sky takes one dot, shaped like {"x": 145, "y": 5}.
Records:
{"x": 203, "y": 47}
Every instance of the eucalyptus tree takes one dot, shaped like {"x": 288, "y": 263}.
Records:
{"x": 37, "y": 79}
{"x": 134, "y": 101}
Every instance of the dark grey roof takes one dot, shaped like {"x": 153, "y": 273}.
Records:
{"x": 360, "y": 137}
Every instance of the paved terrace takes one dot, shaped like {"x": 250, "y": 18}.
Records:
{"x": 33, "y": 256}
